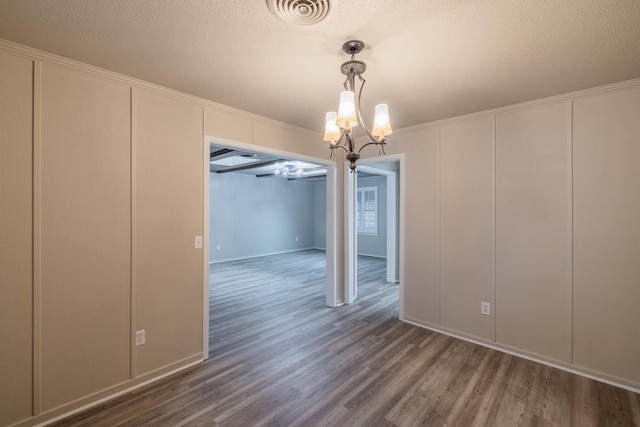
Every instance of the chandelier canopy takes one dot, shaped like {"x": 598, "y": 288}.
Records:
{"x": 340, "y": 125}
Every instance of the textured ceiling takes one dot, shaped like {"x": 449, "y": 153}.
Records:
{"x": 428, "y": 59}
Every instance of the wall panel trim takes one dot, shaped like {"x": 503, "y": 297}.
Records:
{"x": 134, "y": 233}
{"x": 37, "y": 237}
{"x": 438, "y": 216}
{"x": 493, "y": 311}
{"x": 570, "y": 227}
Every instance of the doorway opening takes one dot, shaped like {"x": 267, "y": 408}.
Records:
{"x": 374, "y": 224}
{"x": 259, "y": 203}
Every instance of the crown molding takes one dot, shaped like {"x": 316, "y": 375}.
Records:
{"x": 40, "y": 55}
{"x": 73, "y": 65}
{"x": 570, "y": 96}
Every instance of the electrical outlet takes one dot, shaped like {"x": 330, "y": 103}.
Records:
{"x": 218, "y": 247}
{"x": 197, "y": 241}
{"x": 485, "y": 308}
{"x": 140, "y": 338}
{"x": 297, "y": 239}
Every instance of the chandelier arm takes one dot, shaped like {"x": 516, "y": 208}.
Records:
{"x": 370, "y": 143}
{"x": 340, "y": 146}
{"x": 340, "y": 141}
{"x": 359, "y": 113}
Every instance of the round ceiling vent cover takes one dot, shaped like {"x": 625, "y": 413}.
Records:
{"x": 302, "y": 12}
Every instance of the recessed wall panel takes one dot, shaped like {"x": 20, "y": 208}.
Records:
{"x": 85, "y": 229}
{"x": 606, "y": 309}
{"x": 227, "y": 125}
{"x": 16, "y": 261}
{"x": 533, "y": 230}
{"x": 168, "y": 215}
{"x": 278, "y": 136}
{"x": 466, "y": 226}
{"x": 313, "y": 145}
{"x": 420, "y": 300}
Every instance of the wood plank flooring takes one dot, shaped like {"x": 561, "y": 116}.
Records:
{"x": 279, "y": 357}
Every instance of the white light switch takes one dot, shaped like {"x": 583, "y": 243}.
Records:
{"x": 198, "y": 242}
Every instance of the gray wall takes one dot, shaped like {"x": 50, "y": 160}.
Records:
{"x": 320, "y": 215}
{"x": 369, "y": 244}
{"x": 259, "y": 216}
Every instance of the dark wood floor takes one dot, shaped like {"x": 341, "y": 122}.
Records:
{"x": 279, "y": 357}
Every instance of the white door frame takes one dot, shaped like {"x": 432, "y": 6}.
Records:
{"x": 392, "y": 234}
{"x": 332, "y": 299}
{"x": 350, "y": 237}
{"x": 351, "y": 245}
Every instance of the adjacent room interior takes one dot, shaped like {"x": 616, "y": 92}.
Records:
{"x": 262, "y": 205}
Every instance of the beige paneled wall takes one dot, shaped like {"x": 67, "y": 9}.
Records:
{"x": 606, "y": 225}
{"x": 313, "y": 145}
{"x": 533, "y": 230}
{"x": 16, "y": 239}
{"x": 83, "y": 229}
{"x": 557, "y": 185}
{"x": 241, "y": 127}
{"x": 276, "y": 136}
{"x": 118, "y": 200}
{"x": 168, "y": 141}
{"x": 227, "y": 125}
{"x": 420, "y": 303}
{"x": 67, "y": 319}
{"x": 466, "y": 225}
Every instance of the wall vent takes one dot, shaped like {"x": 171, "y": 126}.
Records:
{"x": 302, "y": 12}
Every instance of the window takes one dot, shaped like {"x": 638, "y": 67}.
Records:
{"x": 367, "y": 210}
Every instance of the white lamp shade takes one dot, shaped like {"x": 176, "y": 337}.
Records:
{"x": 381, "y": 123}
{"x": 331, "y": 130}
{"x": 347, "y": 111}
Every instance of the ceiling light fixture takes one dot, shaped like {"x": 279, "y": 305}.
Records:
{"x": 288, "y": 170}
{"x": 339, "y": 126}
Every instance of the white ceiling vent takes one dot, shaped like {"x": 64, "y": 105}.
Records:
{"x": 302, "y": 12}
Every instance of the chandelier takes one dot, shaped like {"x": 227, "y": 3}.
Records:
{"x": 339, "y": 126}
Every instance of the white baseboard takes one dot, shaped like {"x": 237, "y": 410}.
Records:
{"x": 117, "y": 394}
{"x": 515, "y": 352}
{"x": 372, "y": 256}
{"x": 262, "y": 255}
